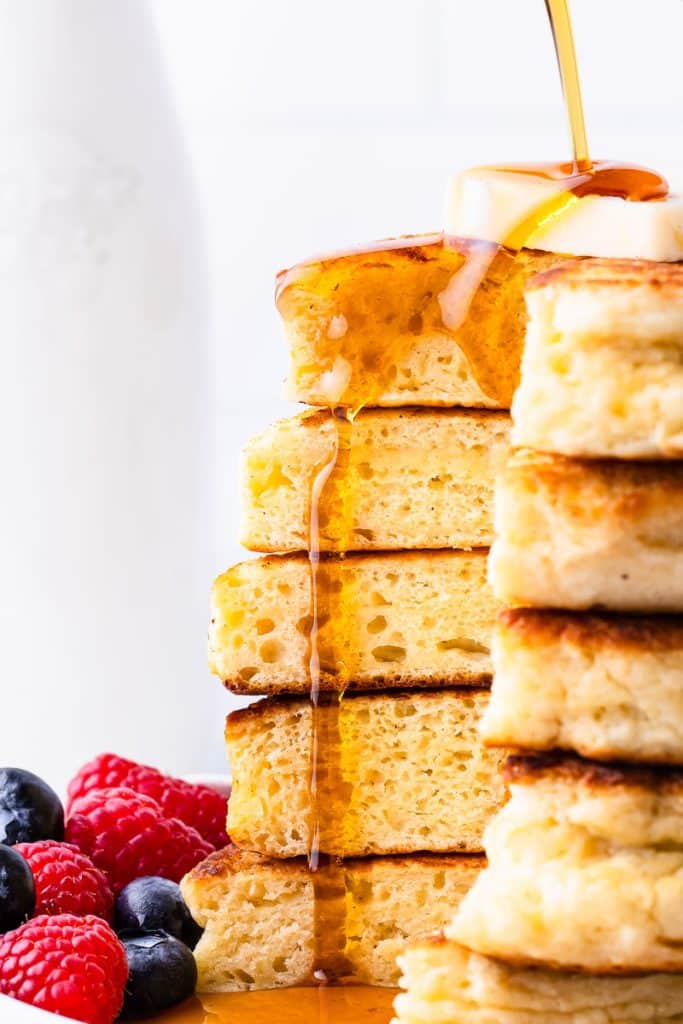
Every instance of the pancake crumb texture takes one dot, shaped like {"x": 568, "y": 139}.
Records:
{"x": 414, "y": 478}
{"x": 257, "y": 915}
{"x": 602, "y": 371}
{"x": 420, "y": 619}
{"x": 414, "y": 775}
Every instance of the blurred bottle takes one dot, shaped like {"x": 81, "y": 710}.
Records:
{"x": 103, "y": 517}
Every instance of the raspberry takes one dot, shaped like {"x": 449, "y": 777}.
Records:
{"x": 67, "y": 882}
{"x": 198, "y": 806}
{"x": 72, "y": 966}
{"x": 127, "y": 836}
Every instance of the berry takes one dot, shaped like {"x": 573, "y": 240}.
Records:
{"x": 126, "y": 835}
{"x": 155, "y": 904}
{"x": 29, "y": 809}
{"x": 200, "y": 807}
{"x": 17, "y": 889}
{"x": 73, "y": 966}
{"x": 67, "y": 882}
{"x": 161, "y": 973}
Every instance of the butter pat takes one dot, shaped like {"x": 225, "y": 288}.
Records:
{"x": 523, "y": 210}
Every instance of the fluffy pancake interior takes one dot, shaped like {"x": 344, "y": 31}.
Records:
{"x": 413, "y": 775}
{"x": 257, "y": 915}
{"x": 395, "y": 619}
{"x": 415, "y": 479}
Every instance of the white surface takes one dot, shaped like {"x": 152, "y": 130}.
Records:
{"x": 14, "y": 1012}
{"x": 309, "y": 125}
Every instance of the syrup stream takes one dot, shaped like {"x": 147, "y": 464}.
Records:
{"x": 329, "y": 792}
{"x": 561, "y": 25}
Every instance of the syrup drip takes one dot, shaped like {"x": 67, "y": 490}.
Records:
{"x": 456, "y": 281}
{"x": 330, "y": 794}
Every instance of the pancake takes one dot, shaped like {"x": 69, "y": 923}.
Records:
{"x": 408, "y": 321}
{"x": 411, "y": 775}
{"x": 419, "y": 619}
{"x": 258, "y": 915}
{"x": 609, "y": 687}
{"x": 585, "y": 870}
{"x": 447, "y": 984}
{"x": 583, "y": 534}
{"x": 602, "y": 373}
{"x": 416, "y": 478}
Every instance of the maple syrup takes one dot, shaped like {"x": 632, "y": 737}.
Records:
{"x": 583, "y": 176}
{"x": 330, "y": 794}
{"x": 435, "y": 291}
{"x": 457, "y": 281}
{"x": 357, "y": 1004}
{"x": 563, "y": 36}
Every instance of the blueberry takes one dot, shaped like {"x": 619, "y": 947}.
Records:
{"x": 17, "y": 889}
{"x": 161, "y": 973}
{"x": 153, "y": 904}
{"x": 29, "y": 809}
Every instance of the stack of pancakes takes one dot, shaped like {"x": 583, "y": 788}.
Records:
{"x": 401, "y": 619}
{"x": 579, "y": 915}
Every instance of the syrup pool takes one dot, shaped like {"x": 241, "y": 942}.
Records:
{"x": 324, "y": 1005}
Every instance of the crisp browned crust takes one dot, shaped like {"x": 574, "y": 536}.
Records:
{"x": 438, "y": 939}
{"x": 601, "y": 273}
{"x": 633, "y": 483}
{"x": 272, "y": 561}
{"x": 330, "y": 683}
{"x": 312, "y": 419}
{"x": 605, "y": 968}
{"x": 641, "y": 633}
{"x": 274, "y": 705}
{"x": 525, "y": 769}
{"x": 608, "y": 754}
{"x": 231, "y": 860}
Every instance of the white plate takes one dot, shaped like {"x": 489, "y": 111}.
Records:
{"x": 14, "y": 1012}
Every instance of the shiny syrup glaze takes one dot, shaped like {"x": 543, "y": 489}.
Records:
{"x": 465, "y": 270}
{"x": 319, "y": 1005}
{"x": 602, "y": 178}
